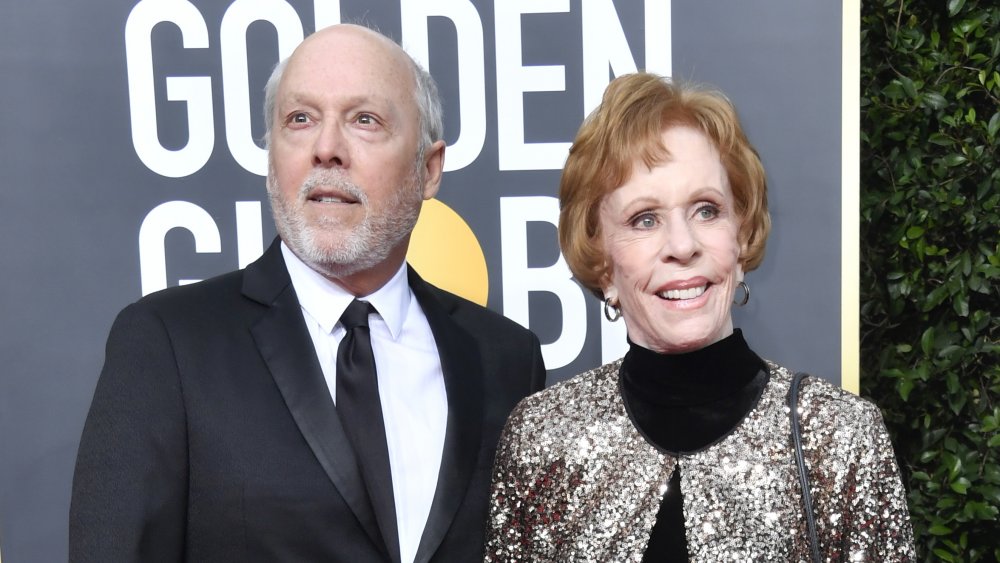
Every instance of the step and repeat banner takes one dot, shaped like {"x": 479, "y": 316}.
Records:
{"x": 132, "y": 161}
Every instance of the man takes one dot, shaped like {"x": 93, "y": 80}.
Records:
{"x": 214, "y": 435}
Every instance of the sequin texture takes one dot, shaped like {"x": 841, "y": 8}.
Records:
{"x": 575, "y": 481}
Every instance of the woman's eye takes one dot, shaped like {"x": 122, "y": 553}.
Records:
{"x": 708, "y": 211}
{"x": 645, "y": 221}
{"x": 299, "y": 117}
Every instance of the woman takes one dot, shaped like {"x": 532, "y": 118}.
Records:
{"x": 682, "y": 450}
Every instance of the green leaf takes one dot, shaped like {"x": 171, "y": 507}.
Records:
{"x": 942, "y": 553}
{"x": 893, "y": 90}
{"x": 975, "y": 283}
{"x": 954, "y": 159}
{"x": 957, "y": 401}
{"x": 991, "y": 494}
{"x": 967, "y": 334}
{"x": 976, "y": 510}
{"x": 940, "y": 139}
{"x": 946, "y": 502}
{"x": 952, "y": 463}
{"x": 994, "y": 125}
{"x": 927, "y": 341}
{"x": 914, "y": 232}
{"x": 939, "y": 530}
{"x": 994, "y": 441}
{"x": 905, "y": 388}
{"x": 950, "y": 350}
{"x": 955, "y": 6}
{"x": 908, "y": 87}
{"x": 961, "y": 486}
{"x": 953, "y": 384}
{"x": 935, "y": 298}
{"x": 934, "y": 100}
{"x": 961, "y": 307}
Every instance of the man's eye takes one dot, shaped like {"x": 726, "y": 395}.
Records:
{"x": 299, "y": 117}
{"x": 366, "y": 119}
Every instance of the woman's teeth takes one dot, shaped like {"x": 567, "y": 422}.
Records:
{"x": 676, "y": 294}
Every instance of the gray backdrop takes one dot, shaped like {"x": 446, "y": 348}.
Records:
{"x": 77, "y": 185}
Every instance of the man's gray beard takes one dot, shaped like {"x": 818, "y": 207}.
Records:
{"x": 364, "y": 247}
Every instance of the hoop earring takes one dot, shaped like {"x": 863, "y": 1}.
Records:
{"x": 609, "y": 307}
{"x": 746, "y": 295}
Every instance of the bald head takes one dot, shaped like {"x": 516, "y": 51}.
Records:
{"x": 334, "y": 41}
{"x": 350, "y": 154}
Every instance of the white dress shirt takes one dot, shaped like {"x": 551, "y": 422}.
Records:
{"x": 410, "y": 383}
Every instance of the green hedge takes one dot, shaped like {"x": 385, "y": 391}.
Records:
{"x": 930, "y": 260}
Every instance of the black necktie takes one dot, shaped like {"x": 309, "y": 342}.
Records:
{"x": 360, "y": 411}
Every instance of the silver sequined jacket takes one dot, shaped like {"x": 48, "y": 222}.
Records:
{"x": 574, "y": 480}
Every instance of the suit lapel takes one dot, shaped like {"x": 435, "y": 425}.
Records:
{"x": 462, "y": 370}
{"x": 286, "y": 347}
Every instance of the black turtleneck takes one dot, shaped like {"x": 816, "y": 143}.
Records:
{"x": 683, "y": 403}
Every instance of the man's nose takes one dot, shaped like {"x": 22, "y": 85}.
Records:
{"x": 331, "y": 148}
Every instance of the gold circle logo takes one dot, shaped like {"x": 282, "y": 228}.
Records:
{"x": 445, "y": 252}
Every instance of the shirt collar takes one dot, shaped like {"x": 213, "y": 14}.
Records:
{"x": 325, "y": 301}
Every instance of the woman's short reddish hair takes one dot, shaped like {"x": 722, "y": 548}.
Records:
{"x": 628, "y": 127}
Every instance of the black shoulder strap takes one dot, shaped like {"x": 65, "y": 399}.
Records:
{"x": 793, "y": 407}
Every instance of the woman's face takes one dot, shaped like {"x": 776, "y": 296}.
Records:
{"x": 671, "y": 237}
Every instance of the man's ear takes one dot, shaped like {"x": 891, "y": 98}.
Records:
{"x": 433, "y": 169}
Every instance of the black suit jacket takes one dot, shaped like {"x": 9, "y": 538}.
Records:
{"x": 212, "y": 435}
